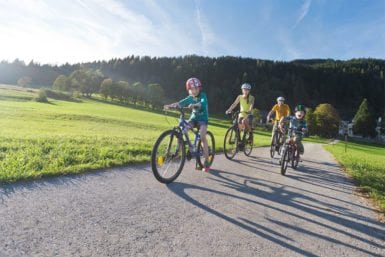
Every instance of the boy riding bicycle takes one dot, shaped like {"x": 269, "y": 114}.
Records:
{"x": 298, "y": 123}
{"x": 246, "y": 102}
{"x": 197, "y": 101}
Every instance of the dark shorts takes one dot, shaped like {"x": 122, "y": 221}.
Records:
{"x": 198, "y": 123}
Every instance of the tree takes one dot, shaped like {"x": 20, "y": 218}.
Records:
{"x": 24, "y": 81}
{"x": 138, "y": 92}
{"x": 364, "y": 123}
{"x": 87, "y": 81}
{"x": 42, "y": 96}
{"x": 382, "y": 125}
{"x": 124, "y": 91}
{"x": 61, "y": 83}
{"x": 311, "y": 121}
{"x": 155, "y": 95}
{"x": 105, "y": 88}
{"x": 327, "y": 120}
{"x": 257, "y": 116}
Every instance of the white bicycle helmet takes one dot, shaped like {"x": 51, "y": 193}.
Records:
{"x": 281, "y": 98}
{"x": 246, "y": 86}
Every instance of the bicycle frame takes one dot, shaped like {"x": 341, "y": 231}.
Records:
{"x": 290, "y": 143}
{"x": 183, "y": 128}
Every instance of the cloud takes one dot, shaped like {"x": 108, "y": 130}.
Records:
{"x": 207, "y": 36}
{"x": 77, "y": 31}
{"x": 303, "y": 12}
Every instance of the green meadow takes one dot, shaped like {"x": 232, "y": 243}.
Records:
{"x": 61, "y": 137}
{"x": 366, "y": 164}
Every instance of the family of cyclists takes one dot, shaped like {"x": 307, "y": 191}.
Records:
{"x": 197, "y": 102}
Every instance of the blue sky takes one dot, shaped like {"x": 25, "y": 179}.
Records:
{"x": 59, "y": 31}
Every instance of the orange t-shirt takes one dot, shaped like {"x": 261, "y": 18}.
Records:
{"x": 281, "y": 111}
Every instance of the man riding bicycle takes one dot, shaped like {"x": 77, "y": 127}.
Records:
{"x": 281, "y": 110}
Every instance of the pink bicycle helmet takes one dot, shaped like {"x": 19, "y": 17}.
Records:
{"x": 193, "y": 82}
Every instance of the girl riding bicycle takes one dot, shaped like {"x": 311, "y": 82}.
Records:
{"x": 246, "y": 102}
{"x": 197, "y": 101}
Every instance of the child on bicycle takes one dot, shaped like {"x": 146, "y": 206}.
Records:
{"x": 298, "y": 123}
{"x": 197, "y": 101}
{"x": 246, "y": 102}
{"x": 281, "y": 110}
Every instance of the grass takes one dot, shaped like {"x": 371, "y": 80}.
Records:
{"x": 61, "y": 137}
{"x": 366, "y": 164}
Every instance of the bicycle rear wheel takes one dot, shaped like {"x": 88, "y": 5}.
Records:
{"x": 249, "y": 141}
{"x": 284, "y": 160}
{"x": 230, "y": 143}
{"x": 168, "y": 156}
{"x": 211, "y": 145}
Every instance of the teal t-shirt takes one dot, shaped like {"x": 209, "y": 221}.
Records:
{"x": 199, "y": 114}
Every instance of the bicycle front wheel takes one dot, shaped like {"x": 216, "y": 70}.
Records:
{"x": 168, "y": 156}
{"x": 249, "y": 144}
{"x": 273, "y": 144}
{"x": 211, "y": 146}
{"x": 284, "y": 160}
{"x": 295, "y": 159}
{"x": 230, "y": 143}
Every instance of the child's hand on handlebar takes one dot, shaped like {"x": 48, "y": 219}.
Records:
{"x": 169, "y": 106}
{"x": 194, "y": 106}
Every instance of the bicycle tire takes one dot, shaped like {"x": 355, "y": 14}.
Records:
{"x": 272, "y": 145}
{"x": 211, "y": 145}
{"x": 295, "y": 159}
{"x": 159, "y": 158}
{"x": 248, "y": 148}
{"x": 230, "y": 143}
{"x": 284, "y": 160}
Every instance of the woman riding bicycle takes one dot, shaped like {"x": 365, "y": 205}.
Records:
{"x": 197, "y": 101}
{"x": 246, "y": 102}
{"x": 298, "y": 123}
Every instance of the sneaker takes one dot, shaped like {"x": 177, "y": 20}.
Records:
{"x": 197, "y": 167}
{"x": 206, "y": 167}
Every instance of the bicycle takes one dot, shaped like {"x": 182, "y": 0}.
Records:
{"x": 169, "y": 152}
{"x": 233, "y": 142}
{"x": 290, "y": 152}
{"x": 276, "y": 145}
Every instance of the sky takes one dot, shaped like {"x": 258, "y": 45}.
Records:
{"x": 72, "y": 31}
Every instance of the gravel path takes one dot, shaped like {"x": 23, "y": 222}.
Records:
{"x": 243, "y": 207}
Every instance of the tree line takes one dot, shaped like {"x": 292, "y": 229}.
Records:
{"x": 342, "y": 84}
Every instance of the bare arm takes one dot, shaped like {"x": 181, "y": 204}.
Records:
{"x": 268, "y": 115}
{"x": 236, "y": 102}
{"x": 251, "y": 106}
{"x": 173, "y": 105}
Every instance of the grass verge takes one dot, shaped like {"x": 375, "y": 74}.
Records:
{"x": 366, "y": 164}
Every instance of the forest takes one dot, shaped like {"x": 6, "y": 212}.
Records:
{"x": 343, "y": 84}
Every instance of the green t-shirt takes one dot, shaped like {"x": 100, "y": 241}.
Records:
{"x": 200, "y": 114}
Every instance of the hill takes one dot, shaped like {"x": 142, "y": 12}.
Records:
{"x": 344, "y": 84}
{"x": 60, "y": 137}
